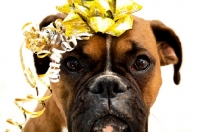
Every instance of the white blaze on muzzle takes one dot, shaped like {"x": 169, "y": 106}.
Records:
{"x": 108, "y": 59}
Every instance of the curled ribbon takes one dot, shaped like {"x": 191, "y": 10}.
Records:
{"x": 31, "y": 79}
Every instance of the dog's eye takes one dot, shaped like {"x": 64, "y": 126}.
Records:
{"x": 141, "y": 63}
{"x": 73, "y": 65}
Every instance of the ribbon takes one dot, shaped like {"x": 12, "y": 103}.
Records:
{"x": 92, "y": 16}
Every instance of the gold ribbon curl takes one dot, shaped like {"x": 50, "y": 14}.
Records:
{"x": 30, "y": 78}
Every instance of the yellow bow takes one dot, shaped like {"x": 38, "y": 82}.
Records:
{"x": 112, "y": 17}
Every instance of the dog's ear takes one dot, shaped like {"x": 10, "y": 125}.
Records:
{"x": 51, "y": 18}
{"x": 42, "y": 64}
{"x": 169, "y": 47}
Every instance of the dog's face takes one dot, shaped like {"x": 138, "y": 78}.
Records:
{"x": 110, "y": 83}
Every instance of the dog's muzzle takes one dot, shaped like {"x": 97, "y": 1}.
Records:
{"x": 108, "y": 103}
{"x": 108, "y": 86}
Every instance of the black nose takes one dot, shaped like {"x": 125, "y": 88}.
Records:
{"x": 108, "y": 86}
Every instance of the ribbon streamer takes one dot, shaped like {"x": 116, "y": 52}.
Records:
{"x": 31, "y": 79}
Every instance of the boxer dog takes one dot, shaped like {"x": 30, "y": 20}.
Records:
{"x": 108, "y": 84}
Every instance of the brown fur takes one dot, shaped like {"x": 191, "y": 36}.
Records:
{"x": 95, "y": 47}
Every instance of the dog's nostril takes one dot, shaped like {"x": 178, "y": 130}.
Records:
{"x": 119, "y": 89}
{"x": 97, "y": 88}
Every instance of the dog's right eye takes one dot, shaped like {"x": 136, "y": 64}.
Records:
{"x": 72, "y": 64}
{"x": 141, "y": 63}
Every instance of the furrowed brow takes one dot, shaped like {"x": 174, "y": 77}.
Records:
{"x": 136, "y": 46}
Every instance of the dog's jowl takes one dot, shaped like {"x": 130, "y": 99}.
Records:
{"x": 108, "y": 83}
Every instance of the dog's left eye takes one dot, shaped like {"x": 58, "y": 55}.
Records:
{"x": 73, "y": 65}
{"x": 141, "y": 63}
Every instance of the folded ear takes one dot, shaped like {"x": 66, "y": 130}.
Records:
{"x": 169, "y": 47}
{"x": 42, "y": 64}
{"x": 51, "y": 18}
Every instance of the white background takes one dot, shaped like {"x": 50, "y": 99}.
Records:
{"x": 177, "y": 108}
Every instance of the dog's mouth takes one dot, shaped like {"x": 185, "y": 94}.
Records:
{"x": 110, "y": 123}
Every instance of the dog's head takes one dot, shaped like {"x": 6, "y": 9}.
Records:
{"x": 111, "y": 82}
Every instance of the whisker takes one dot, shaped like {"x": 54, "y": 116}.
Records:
{"x": 156, "y": 120}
